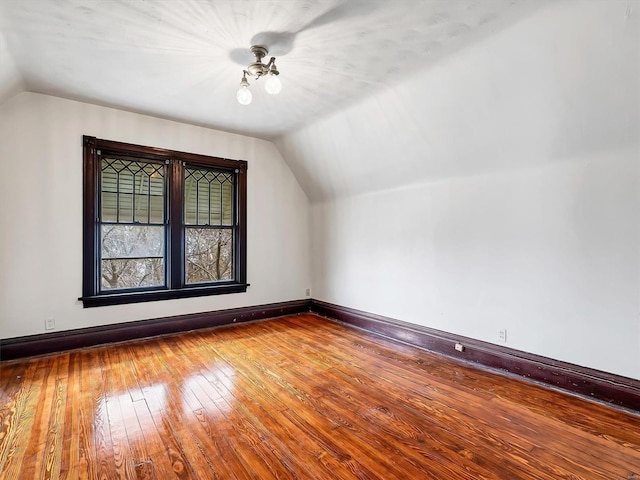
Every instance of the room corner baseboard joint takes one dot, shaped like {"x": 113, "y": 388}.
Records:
{"x": 603, "y": 386}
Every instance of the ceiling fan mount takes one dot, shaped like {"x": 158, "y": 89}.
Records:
{"x": 257, "y": 68}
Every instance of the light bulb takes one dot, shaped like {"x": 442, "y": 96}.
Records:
{"x": 273, "y": 85}
{"x": 244, "y": 95}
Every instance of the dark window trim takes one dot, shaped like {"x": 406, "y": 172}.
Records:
{"x": 175, "y": 249}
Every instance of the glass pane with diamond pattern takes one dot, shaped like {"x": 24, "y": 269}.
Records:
{"x": 132, "y": 191}
{"x": 208, "y": 197}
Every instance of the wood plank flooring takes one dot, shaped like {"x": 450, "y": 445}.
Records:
{"x": 297, "y": 397}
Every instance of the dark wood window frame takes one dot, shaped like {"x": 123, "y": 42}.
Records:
{"x": 176, "y": 286}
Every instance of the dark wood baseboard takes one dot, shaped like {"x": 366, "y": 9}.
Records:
{"x": 607, "y": 387}
{"x": 45, "y": 343}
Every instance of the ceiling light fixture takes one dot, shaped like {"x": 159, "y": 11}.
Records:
{"x": 258, "y": 69}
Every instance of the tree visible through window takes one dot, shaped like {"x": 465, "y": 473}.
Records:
{"x": 161, "y": 224}
{"x": 132, "y": 213}
{"x": 208, "y": 219}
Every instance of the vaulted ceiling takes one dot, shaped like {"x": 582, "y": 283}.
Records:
{"x": 183, "y": 60}
{"x": 376, "y": 93}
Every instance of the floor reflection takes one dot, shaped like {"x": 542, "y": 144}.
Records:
{"x": 127, "y": 413}
{"x": 211, "y": 389}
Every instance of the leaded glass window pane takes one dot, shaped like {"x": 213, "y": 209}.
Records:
{"x": 208, "y": 197}
{"x": 132, "y": 231}
{"x": 132, "y": 191}
{"x": 208, "y": 218}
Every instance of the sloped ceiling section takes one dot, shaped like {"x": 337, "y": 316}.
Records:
{"x": 10, "y": 79}
{"x": 183, "y": 60}
{"x": 560, "y": 84}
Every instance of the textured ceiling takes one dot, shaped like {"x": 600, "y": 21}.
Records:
{"x": 183, "y": 60}
{"x": 562, "y": 84}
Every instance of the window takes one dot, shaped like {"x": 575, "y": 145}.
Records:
{"x": 161, "y": 224}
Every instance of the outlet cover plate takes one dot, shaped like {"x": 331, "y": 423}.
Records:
{"x": 502, "y": 335}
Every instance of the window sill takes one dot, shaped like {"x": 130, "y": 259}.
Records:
{"x": 155, "y": 295}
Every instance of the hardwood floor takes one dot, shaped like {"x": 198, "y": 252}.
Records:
{"x": 296, "y": 397}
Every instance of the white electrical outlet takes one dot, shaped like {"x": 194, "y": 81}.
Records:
{"x": 308, "y": 292}
{"x": 50, "y": 323}
{"x": 502, "y": 335}
{"x": 459, "y": 347}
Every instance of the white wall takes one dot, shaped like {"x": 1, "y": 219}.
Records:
{"x": 496, "y": 189}
{"x": 550, "y": 253}
{"x": 11, "y": 81}
{"x": 41, "y": 213}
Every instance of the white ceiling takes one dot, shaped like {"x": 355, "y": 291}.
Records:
{"x": 183, "y": 60}
{"x": 561, "y": 85}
